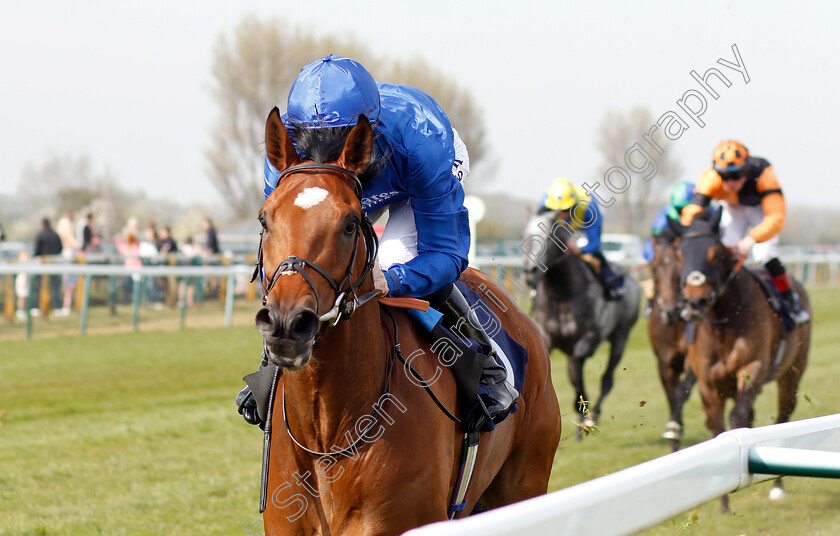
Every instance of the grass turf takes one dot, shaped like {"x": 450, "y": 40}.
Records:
{"x": 136, "y": 433}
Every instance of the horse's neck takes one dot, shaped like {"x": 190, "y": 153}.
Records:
{"x": 732, "y": 297}
{"x": 568, "y": 275}
{"x": 343, "y": 380}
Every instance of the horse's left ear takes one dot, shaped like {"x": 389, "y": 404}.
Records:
{"x": 675, "y": 226}
{"x": 278, "y": 146}
{"x": 358, "y": 149}
{"x": 716, "y": 221}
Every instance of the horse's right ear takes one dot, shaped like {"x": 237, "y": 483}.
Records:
{"x": 358, "y": 149}
{"x": 278, "y": 146}
{"x": 675, "y": 226}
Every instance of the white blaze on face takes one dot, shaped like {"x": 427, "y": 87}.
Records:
{"x": 310, "y": 197}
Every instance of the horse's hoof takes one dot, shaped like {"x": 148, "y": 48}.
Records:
{"x": 777, "y": 493}
{"x": 673, "y": 431}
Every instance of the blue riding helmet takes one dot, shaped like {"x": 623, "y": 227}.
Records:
{"x": 332, "y": 92}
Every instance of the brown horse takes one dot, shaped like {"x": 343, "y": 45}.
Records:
{"x": 666, "y": 330}
{"x": 358, "y": 447}
{"x": 739, "y": 336}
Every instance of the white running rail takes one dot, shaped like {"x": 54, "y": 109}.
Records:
{"x": 655, "y": 491}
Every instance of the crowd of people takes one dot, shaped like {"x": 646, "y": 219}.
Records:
{"x": 71, "y": 241}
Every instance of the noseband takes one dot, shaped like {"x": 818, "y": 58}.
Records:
{"x": 346, "y": 299}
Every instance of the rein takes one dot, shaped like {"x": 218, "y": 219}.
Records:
{"x": 374, "y": 420}
{"x": 395, "y": 354}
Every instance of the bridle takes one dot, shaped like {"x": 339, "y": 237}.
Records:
{"x": 347, "y": 299}
{"x": 700, "y": 277}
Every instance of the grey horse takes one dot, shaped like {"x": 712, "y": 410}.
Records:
{"x": 570, "y": 307}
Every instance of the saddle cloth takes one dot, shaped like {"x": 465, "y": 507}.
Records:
{"x": 509, "y": 353}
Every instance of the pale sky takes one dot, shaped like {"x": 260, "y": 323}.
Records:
{"x": 128, "y": 82}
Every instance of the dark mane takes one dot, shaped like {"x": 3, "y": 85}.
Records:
{"x": 326, "y": 143}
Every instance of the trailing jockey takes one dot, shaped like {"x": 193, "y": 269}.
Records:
{"x": 753, "y": 212}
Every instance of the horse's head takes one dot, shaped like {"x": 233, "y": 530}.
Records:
{"x": 707, "y": 263}
{"x": 541, "y": 246}
{"x": 317, "y": 246}
{"x": 666, "y": 265}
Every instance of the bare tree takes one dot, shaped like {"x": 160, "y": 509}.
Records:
{"x": 617, "y": 134}
{"x": 62, "y": 183}
{"x": 253, "y": 72}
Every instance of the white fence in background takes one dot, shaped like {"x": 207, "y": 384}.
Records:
{"x": 230, "y": 274}
{"x": 811, "y": 269}
{"x": 655, "y": 491}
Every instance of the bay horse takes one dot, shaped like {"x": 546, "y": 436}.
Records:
{"x": 570, "y": 308}
{"x": 357, "y": 446}
{"x": 739, "y": 344}
{"x": 667, "y": 333}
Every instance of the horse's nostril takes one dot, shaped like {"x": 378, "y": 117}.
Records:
{"x": 304, "y": 325}
{"x": 263, "y": 319}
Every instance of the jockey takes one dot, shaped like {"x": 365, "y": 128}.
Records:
{"x": 421, "y": 163}
{"x": 680, "y": 197}
{"x": 753, "y": 212}
{"x": 574, "y": 207}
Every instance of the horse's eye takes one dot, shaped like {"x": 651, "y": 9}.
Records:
{"x": 262, "y": 221}
{"x": 351, "y": 227}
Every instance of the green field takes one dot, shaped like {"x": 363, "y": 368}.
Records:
{"x": 136, "y": 433}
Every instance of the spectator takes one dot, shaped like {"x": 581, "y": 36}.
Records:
{"x": 22, "y": 289}
{"x": 149, "y": 254}
{"x": 69, "y": 248}
{"x": 132, "y": 226}
{"x": 212, "y": 241}
{"x": 186, "y": 289}
{"x": 87, "y": 232}
{"x": 130, "y": 250}
{"x": 167, "y": 244}
{"x": 48, "y": 243}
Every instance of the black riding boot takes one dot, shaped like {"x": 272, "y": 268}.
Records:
{"x": 797, "y": 313}
{"x": 462, "y": 321}
{"x": 246, "y": 402}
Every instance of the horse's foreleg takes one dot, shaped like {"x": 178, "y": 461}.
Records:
{"x": 788, "y": 383}
{"x": 678, "y": 394}
{"x": 575, "y": 366}
{"x": 669, "y": 376}
{"x": 713, "y": 406}
{"x": 750, "y": 380}
{"x": 617, "y": 344}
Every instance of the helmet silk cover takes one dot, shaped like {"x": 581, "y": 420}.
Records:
{"x": 332, "y": 92}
